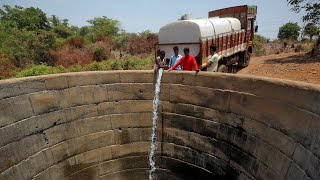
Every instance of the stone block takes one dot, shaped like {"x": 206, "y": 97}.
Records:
{"x": 35, "y": 164}
{"x": 272, "y": 136}
{"x": 131, "y": 120}
{"x": 77, "y": 128}
{"x": 194, "y": 141}
{"x": 251, "y": 164}
{"x": 94, "y": 156}
{"x": 263, "y": 152}
{"x": 14, "y": 109}
{"x": 205, "y": 97}
{"x": 296, "y": 173}
{"x": 17, "y": 87}
{"x": 190, "y": 110}
{"x": 89, "y": 142}
{"x": 209, "y": 80}
{"x": 130, "y": 91}
{"x": 48, "y": 101}
{"x": 300, "y": 125}
{"x": 92, "y": 78}
{"x": 56, "y": 82}
{"x": 131, "y": 135}
{"x": 132, "y": 149}
{"x": 298, "y": 94}
{"x": 85, "y": 95}
{"x": 123, "y": 164}
{"x": 12, "y": 154}
{"x": 134, "y": 174}
{"x": 164, "y": 92}
{"x": 141, "y": 106}
{"x": 136, "y": 76}
{"x": 13, "y": 174}
{"x": 80, "y": 112}
{"x": 27, "y": 127}
{"x": 79, "y": 145}
{"x": 307, "y": 161}
{"x": 172, "y": 78}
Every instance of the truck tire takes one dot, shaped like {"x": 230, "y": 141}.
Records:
{"x": 244, "y": 59}
{"x": 222, "y": 69}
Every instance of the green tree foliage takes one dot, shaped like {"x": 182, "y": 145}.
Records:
{"x": 40, "y": 47}
{"x": 31, "y": 19}
{"x": 33, "y": 44}
{"x": 310, "y": 30}
{"x": 15, "y": 44}
{"x": 104, "y": 26}
{"x": 122, "y": 40}
{"x": 41, "y": 69}
{"x": 61, "y": 27}
{"x": 311, "y": 7}
{"x": 54, "y": 21}
{"x": 24, "y": 35}
{"x": 259, "y": 41}
{"x": 289, "y": 30}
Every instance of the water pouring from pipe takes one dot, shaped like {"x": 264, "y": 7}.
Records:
{"x": 154, "y": 125}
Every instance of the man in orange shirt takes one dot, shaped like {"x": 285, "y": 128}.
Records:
{"x": 187, "y": 62}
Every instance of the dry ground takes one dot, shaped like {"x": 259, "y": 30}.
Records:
{"x": 293, "y": 66}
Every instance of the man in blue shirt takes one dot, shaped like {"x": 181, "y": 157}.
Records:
{"x": 175, "y": 58}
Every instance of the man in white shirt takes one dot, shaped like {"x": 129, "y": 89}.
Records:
{"x": 175, "y": 58}
{"x": 213, "y": 60}
{"x": 161, "y": 61}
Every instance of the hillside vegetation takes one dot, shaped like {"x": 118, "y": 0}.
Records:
{"x": 33, "y": 43}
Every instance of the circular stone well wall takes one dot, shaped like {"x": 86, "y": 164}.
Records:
{"x": 97, "y": 125}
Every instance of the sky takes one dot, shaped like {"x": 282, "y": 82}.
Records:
{"x": 141, "y": 15}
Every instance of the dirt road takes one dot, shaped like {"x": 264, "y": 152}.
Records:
{"x": 293, "y": 66}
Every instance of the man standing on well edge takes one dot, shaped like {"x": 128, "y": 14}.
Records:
{"x": 175, "y": 58}
{"x": 213, "y": 60}
{"x": 187, "y": 62}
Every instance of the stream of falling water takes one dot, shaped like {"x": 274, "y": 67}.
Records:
{"x": 154, "y": 125}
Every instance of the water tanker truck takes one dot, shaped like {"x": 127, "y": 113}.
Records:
{"x": 231, "y": 30}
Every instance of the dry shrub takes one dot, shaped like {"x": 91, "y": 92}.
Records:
{"x": 6, "y": 67}
{"x": 76, "y": 52}
{"x": 76, "y": 41}
{"x": 102, "y": 50}
{"x": 67, "y": 56}
{"x": 141, "y": 45}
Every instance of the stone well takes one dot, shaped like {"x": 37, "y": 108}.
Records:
{"x": 97, "y": 125}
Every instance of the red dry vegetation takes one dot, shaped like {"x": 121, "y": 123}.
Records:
{"x": 75, "y": 51}
{"x": 6, "y": 67}
{"x": 67, "y": 56}
{"x": 139, "y": 45}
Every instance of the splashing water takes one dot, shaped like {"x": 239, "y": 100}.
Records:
{"x": 154, "y": 125}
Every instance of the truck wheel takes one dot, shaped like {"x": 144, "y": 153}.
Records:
{"x": 244, "y": 59}
{"x": 222, "y": 68}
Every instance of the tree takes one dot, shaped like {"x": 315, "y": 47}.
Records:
{"x": 311, "y": 7}
{"x": 61, "y": 27}
{"x": 105, "y": 26}
{"x": 83, "y": 31}
{"x": 289, "y": 30}
{"x": 122, "y": 40}
{"x": 65, "y": 22}
{"x": 31, "y": 19}
{"x": 310, "y": 30}
{"x": 15, "y": 44}
{"x": 258, "y": 43}
{"x": 54, "y": 21}
{"x": 39, "y": 47}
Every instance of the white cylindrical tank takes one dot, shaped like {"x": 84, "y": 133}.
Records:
{"x": 191, "y": 31}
